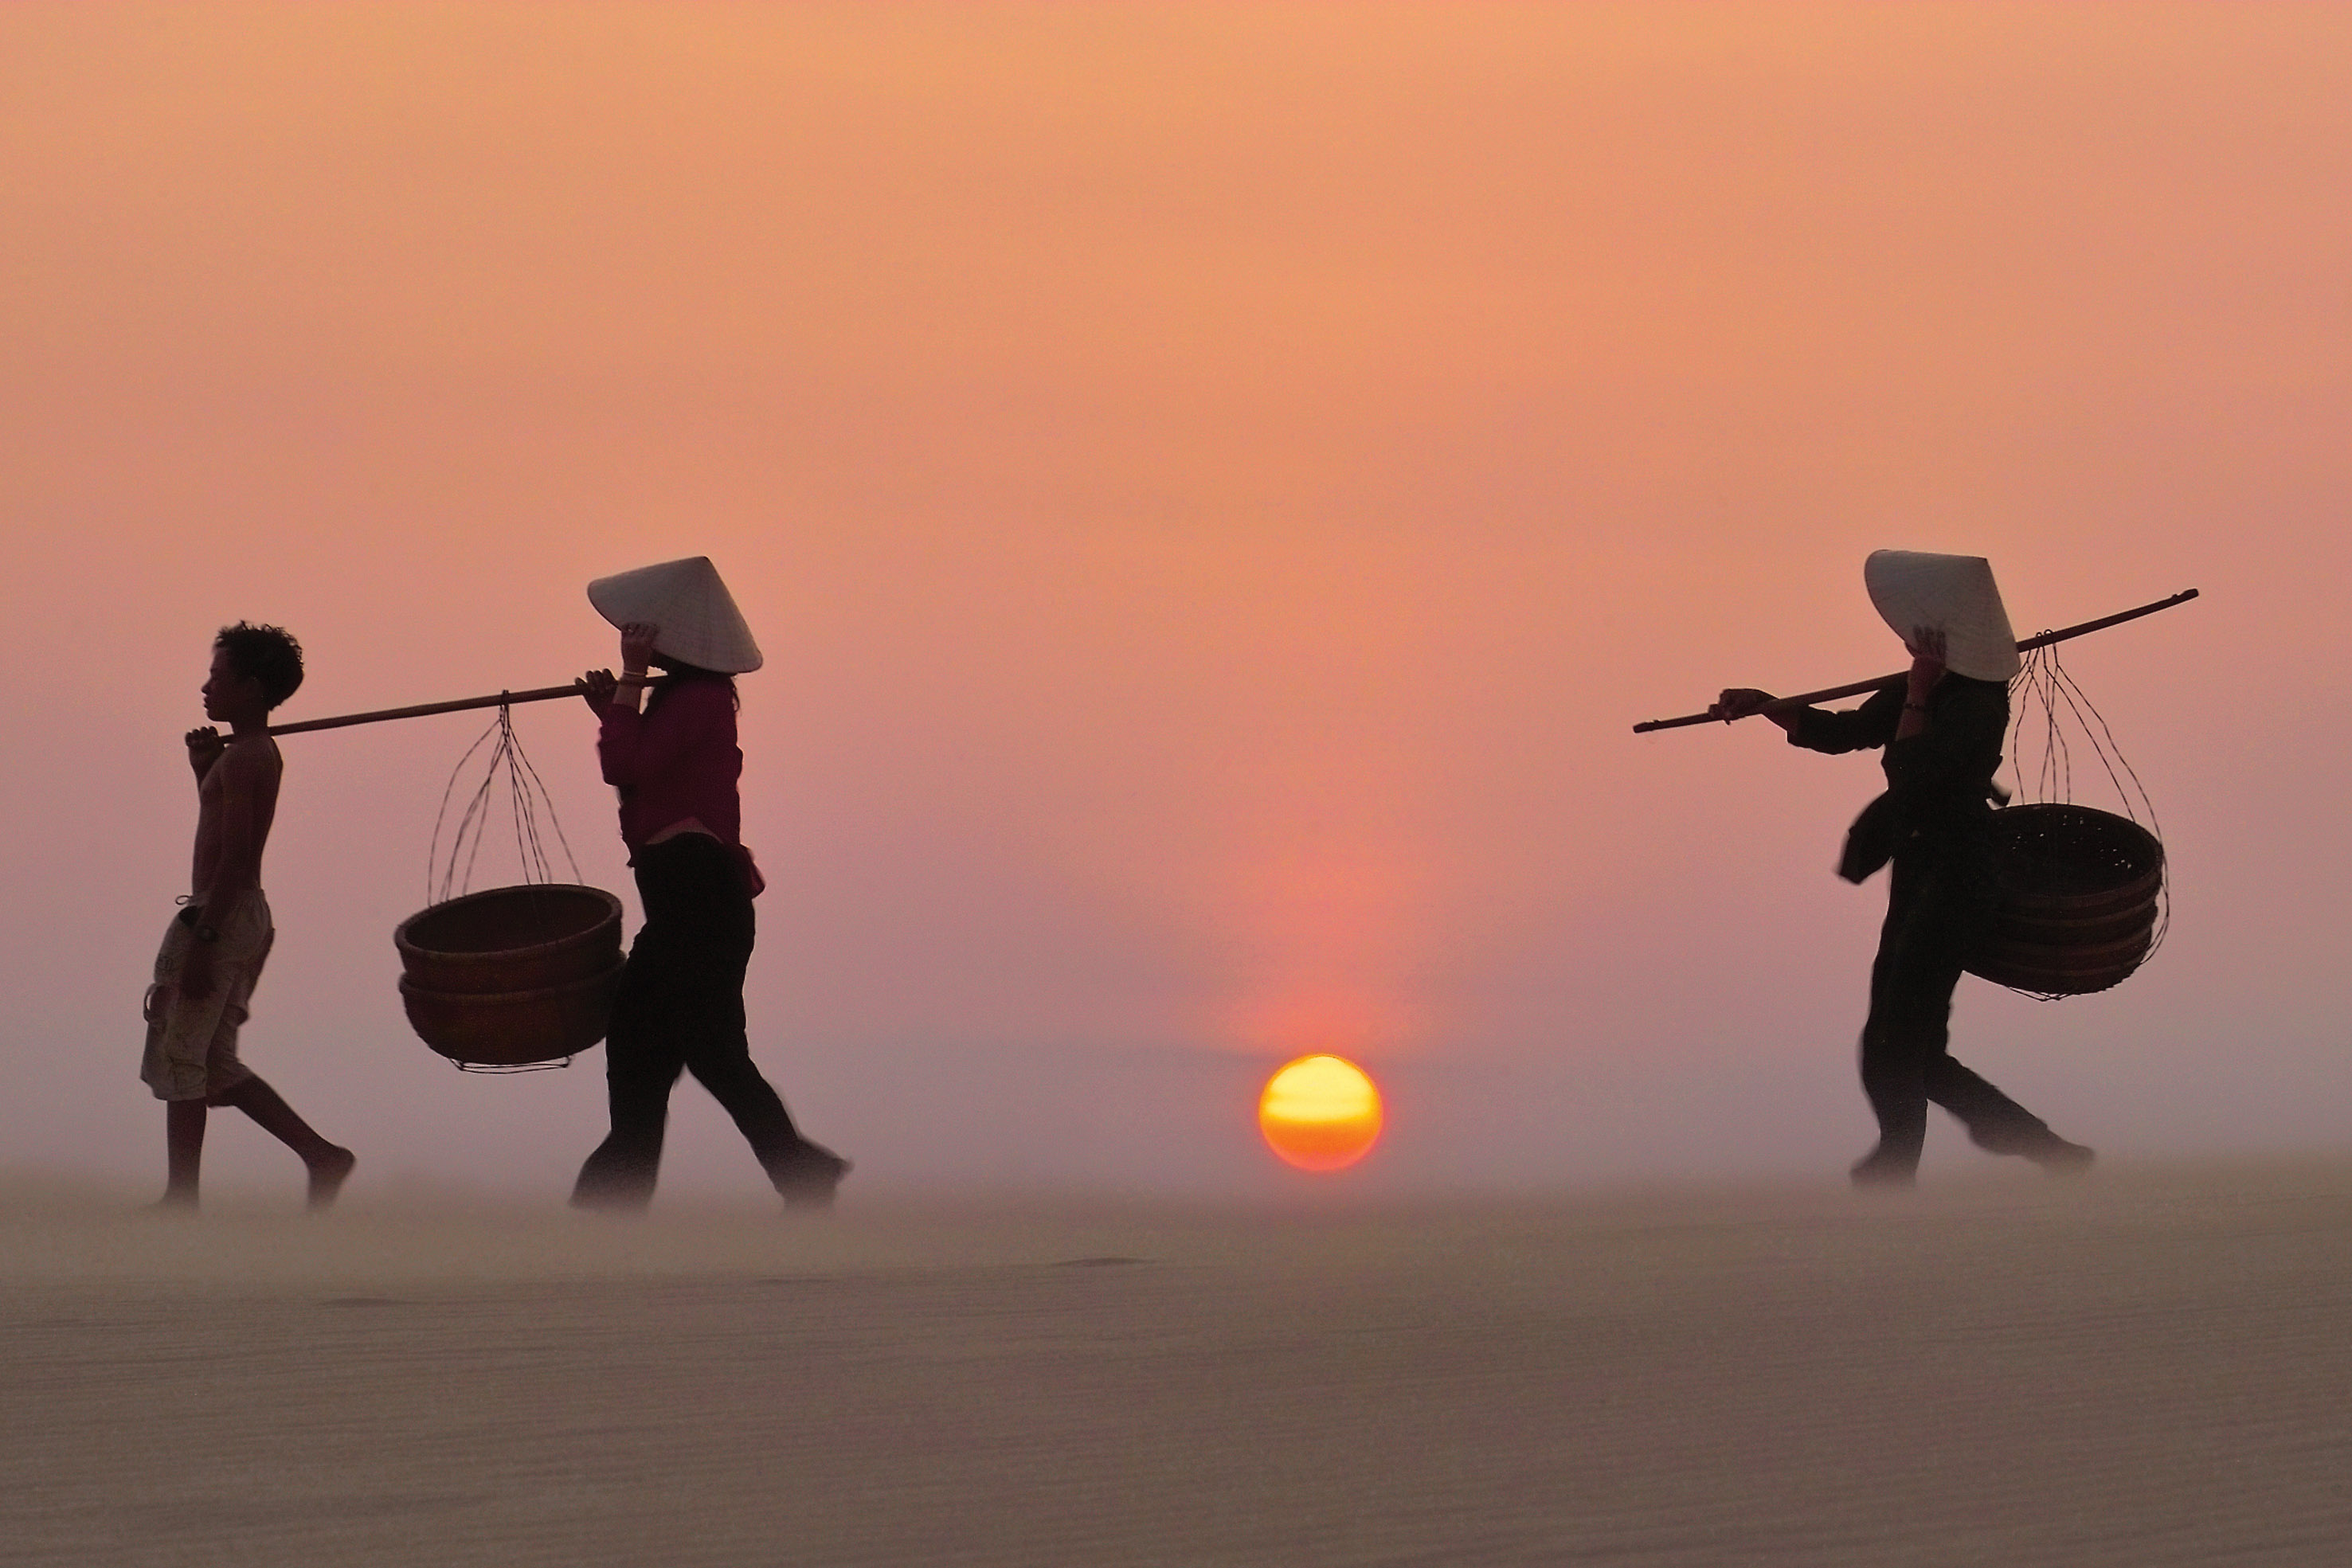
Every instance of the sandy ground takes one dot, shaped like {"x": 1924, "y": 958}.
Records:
{"x": 2149, "y": 1368}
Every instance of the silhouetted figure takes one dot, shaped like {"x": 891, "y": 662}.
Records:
{"x": 213, "y": 949}
{"x": 1941, "y": 726}
{"x": 680, "y": 1004}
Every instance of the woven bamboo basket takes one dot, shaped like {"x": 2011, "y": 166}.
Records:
{"x": 2080, "y": 891}
{"x": 514, "y": 975}
{"x": 513, "y": 1028}
{"x": 522, "y": 938}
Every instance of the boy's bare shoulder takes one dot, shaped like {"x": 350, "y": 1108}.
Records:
{"x": 253, "y": 763}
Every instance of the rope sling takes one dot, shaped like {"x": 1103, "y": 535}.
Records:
{"x": 527, "y": 796}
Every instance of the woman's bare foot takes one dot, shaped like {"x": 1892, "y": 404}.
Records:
{"x": 809, "y": 1180}
{"x": 2037, "y": 1143}
{"x": 327, "y": 1174}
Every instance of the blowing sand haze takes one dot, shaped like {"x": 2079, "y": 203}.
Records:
{"x": 2147, "y": 1372}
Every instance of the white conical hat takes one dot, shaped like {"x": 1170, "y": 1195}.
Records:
{"x": 697, "y": 616}
{"x": 1956, "y": 593}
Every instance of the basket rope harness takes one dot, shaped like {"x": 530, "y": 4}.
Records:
{"x": 2047, "y": 705}
{"x": 527, "y": 798}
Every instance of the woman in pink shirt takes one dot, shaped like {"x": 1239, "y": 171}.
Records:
{"x": 680, "y": 1003}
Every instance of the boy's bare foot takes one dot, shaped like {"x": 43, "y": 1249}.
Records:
{"x": 1884, "y": 1168}
{"x": 2060, "y": 1158}
{"x": 327, "y": 1174}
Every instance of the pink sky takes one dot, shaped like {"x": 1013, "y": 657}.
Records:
{"x": 1215, "y": 485}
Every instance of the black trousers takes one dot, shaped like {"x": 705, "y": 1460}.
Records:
{"x": 680, "y": 1008}
{"x": 1941, "y": 906}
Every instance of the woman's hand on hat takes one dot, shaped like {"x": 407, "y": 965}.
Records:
{"x": 1926, "y": 646}
{"x": 596, "y": 688}
{"x": 637, "y": 646}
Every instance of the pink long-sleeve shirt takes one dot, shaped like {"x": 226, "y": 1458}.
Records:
{"x": 680, "y": 760}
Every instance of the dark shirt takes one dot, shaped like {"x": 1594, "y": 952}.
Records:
{"x": 1939, "y": 786}
{"x": 678, "y": 759}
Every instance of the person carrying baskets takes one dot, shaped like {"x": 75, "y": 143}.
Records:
{"x": 680, "y": 1002}
{"x": 1941, "y": 728}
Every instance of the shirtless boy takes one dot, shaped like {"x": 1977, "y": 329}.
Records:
{"x": 213, "y": 950}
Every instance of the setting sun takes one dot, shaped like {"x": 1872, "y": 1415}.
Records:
{"x": 1320, "y": 1112}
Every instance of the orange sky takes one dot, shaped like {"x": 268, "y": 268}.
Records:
{"x": 1214, "y": 485}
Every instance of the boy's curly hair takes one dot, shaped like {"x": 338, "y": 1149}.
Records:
{"x": 266, "y": 653}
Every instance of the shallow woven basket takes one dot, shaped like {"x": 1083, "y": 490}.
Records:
{"x": 512, "y": 975}
{"x": 513, "y": 1028}
{"x": 2079, "y": 895}
{"x": 521, "y": 938}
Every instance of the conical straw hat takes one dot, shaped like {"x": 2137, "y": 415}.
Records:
{"x": 696, "y": 617}
{"x": 1956, "y": 593}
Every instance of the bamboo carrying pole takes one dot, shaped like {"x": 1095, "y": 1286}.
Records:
{"x": 572, "y": 689}
{"x": 1780, "y": 705}
{"x": 502, "y": 699}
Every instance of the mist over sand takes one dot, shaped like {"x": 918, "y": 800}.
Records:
{"x": 2147, "y": 1368}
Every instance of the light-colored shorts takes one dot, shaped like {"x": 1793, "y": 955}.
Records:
{"x": 192, "y": 1041}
